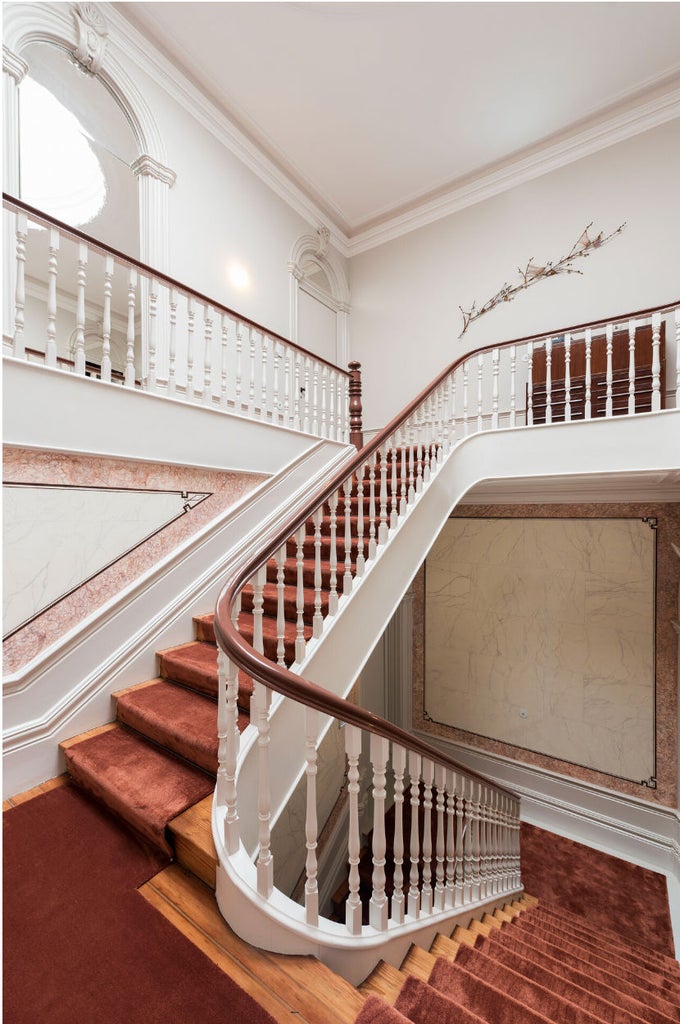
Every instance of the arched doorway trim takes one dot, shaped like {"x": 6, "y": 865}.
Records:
{"x": 314, "y": 250}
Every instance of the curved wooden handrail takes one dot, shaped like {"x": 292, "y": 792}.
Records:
{"x": 288, "y": 683}
{"x": 158, "y": 275}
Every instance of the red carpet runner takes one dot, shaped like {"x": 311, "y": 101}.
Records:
{"x": 546, "y": 965}
{"x": 81, "y": 944}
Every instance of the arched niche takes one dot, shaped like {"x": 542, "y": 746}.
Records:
{"x": 319, "y": 299}
{"x": 81, "y": 30}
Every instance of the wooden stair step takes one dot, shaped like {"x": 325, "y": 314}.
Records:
{"x": 193, "y": 840}
{"x": 444, "y": 946}
{"x": 418, "y": 963}
{"x": 385, "y": 981}
{"x": 289, "y": 988}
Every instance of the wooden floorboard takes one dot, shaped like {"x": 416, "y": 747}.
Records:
{"x": 193, "y": 842}
{"x": 30, "y": 794}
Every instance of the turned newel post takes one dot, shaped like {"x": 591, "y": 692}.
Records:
{"x": 356, "y": 436}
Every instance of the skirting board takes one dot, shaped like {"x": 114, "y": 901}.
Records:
{"x": 634, "y": 830}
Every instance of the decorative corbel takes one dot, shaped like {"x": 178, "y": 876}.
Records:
{"x": 14, "y": 65}
{"x": 92, "y": 34}
{"x": 146, "y": 166}
{"x": 324, "y": 237}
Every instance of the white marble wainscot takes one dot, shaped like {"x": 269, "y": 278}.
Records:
{"x": 540, "y": 633}
{"x": 55, "y": 538}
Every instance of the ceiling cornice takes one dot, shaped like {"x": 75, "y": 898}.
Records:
{"x": 134, "y": 45}
{"x": 617, "y": 126}
{"x": 581, "y": 143}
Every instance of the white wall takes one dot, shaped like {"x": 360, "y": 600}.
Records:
{"x": 406, "y": 293}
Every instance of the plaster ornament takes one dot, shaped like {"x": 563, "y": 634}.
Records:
{"x": 533, "y": 273}
{"x": 14, "y": 65}
{"x": 324, "y": 237}
{"x": 92, "y": 36}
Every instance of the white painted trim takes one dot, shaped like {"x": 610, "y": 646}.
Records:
{"x": 620, "y": 126}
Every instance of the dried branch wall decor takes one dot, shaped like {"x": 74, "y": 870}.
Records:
{"x": 533, "y": 273}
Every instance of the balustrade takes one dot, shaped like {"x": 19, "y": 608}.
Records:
{"x": 156, "y": 335}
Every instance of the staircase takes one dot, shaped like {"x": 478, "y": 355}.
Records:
{"x": 155, "y": 766}
{"x": 528, "y": 963}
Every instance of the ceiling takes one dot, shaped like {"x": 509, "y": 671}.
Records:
{"x": 374, "y": 109}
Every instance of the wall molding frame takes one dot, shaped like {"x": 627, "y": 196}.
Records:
{"x": 315, "y": 249}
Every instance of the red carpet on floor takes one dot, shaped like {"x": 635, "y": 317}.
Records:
{"x": 81, "y": 945}
{"x": 611, "y": 893}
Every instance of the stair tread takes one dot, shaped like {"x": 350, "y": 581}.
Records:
{"x": 195, "y": 665}
{"x": 143, "y": 784}
{"x": 193, "y": 840}
{"x": 282, "y": 980}
{"x": 384, "y": 981}
{"x": 182, "y": 720}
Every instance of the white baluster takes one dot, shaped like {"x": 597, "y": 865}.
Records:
{"x": 411, "y": 468}
{"x": 239, "y": 365}
{"x": 483, "y": 847}
{"x": 353, "y": 905}
{"x": 513, "y": 385}
{"x": 81, "y": 279}
{"x": 224, "y": 363}
{"x": 609, "y": 403}
{"x": 467, "y": 843}
{"x": 656, "y": 362}
{"x": 129, "y": 379}
{"x": 287, "y": 384}
{"x": 276, "y": 384}
{"x": 51, "y": 347}
{"x": 191, "y": 327}
{"x": 465, "y": 399}
{"x": 361, "y": 560}
{"x": 311, "y": 820}
{"x": 588, "y": 386}
{"x": 315, "y": 398}
{"x": 567, "y": 378}
{"x": 440, "y": 850}
{"x": 631, "y": 367}
{"x": 264, "y": 390}
{"x": 454, "y": 426}
{"x": 300, "y": 645}
{"x": 230, "y": 741}
{"x": 207, "y": 356}
{"x": 404, "y": 474}
{"x": 428, "y": 779}
{"x": 372, "y": 548}
{"x": 548, "y": 380}
{"x": 480, "y": 397}
{"x": 399, "y": 767}
{"x": 459, "y": 866}
{"x": 317, "y": 620}
{"x": 251, "y": 371}
{"x": 530, "y": 383}
{"x": 307, "y": 396}
{"x": 382, "y": 528}
{"x": 495, "y": 360}
{"x": 450, "y": 840}
{"x": 394, "y": 511}
{"x": 153, "y": 336}
{"x": 297, "y": 392}
{"x": 333, "y": 582}
{"x": 280, "y": 605}
{"x": 414, "y": 779}
{"x": 380, "y": 749}
{"x": 347, "y": 578}
{"x": 19, "y": 346}
{"x": 332, "y": 389}
{"x": 172, "y": 368}
{"x": 261, "y": 704}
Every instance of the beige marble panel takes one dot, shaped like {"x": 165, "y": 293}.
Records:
{"x": 581, "y": 652}
{"x": 540, "y": 633}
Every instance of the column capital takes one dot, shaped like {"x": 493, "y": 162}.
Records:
{"x": 146, "y": 166}
{"x": 14, "y": 65}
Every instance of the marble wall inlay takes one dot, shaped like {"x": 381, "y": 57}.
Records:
{"x": 58, "y": 469}
{"x": 540, "y": 633}
{"x": 666, "y": 653}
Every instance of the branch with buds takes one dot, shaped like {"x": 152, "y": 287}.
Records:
{"x": 532, "y": 273}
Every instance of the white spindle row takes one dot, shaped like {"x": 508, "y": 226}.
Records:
{"x": 160, "y": 338}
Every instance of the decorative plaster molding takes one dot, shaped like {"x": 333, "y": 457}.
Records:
{"x": 92, "y": 36}
{"x": 617, "y": 128}
{"x": 145, "y": 165}
{"x": 14, "y": 65}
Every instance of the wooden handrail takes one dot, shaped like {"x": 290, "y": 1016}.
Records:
{"x": 288, "y": 683}
{"x": 158, "y": 275}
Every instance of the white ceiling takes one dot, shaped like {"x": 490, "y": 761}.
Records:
{"x": 374, "y": 109}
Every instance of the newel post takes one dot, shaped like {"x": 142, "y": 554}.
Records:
{"x": 356, "y": 436}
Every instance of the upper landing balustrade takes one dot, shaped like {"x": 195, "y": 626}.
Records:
{"x": 83, "y": 307}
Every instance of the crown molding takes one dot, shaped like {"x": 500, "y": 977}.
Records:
{"x": 620, "y": 125}
{"x": 139, "y": 49}
{"x": 617, "y": 128}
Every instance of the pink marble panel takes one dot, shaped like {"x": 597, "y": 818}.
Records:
{"x": 46, "y": 467}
